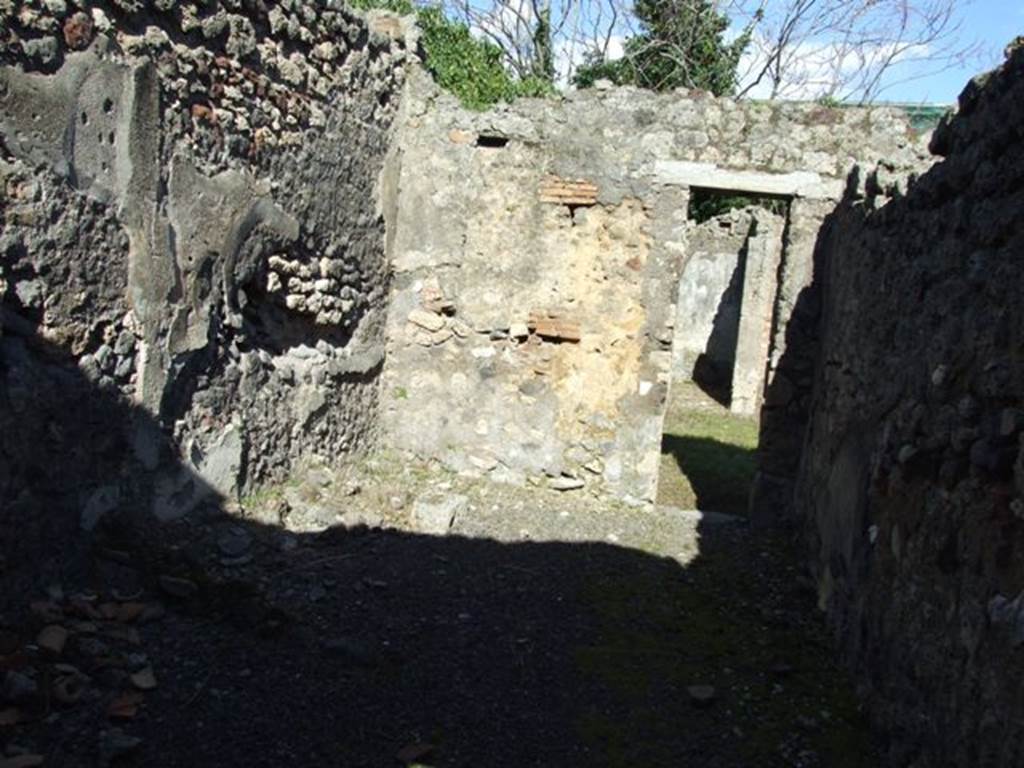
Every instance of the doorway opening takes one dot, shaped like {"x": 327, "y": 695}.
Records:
{"x": 724, "y": 318}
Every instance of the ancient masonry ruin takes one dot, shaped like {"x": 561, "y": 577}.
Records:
{"x": 263, "y": 232}
{"x": 537, "y": 252}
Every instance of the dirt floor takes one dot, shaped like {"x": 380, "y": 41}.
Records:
{"x": 321, "y": 625}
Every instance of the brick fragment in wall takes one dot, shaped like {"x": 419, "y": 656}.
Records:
{"x": 460, "y": 137}
{"x": 567, "y": 192}
{"x": 551, "y": 326}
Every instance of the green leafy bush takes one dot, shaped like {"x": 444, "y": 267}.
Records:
{"x": 470, "y": 68}
{"x": 680, "y": 45}
{"x": 401, "y": 7}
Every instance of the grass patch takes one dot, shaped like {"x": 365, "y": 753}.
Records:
{"x": 707, "y": 454}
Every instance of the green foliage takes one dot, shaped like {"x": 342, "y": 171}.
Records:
{"x": 680, "y": 45}
{"x": 471, "y": 68}
{"x": 595, "y": 68}
{"x": 707, "y": 205}
{"x": 401, "y": 7}
{"x": 829, "y": 101}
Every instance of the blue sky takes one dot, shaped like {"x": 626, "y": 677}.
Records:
{"x": 816, "y": 65}
{"x": 994, "y": 23}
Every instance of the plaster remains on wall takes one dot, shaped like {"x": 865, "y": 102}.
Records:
{"x": 182, "y": 233}
{"x": 240, "y": 237}
{"x": 579, "y": 208}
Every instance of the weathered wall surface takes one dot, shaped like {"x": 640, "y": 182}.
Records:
{"x": 523, "y": 340}
{"x": 762, "y": 258}
{"x": 912, "y": 482}
{"x": 192, "y": 236}
{"x": 793, "y": 351}
{"x": 572, "y": 211}
{"x": 726, "y": 305}
{"x": 708, "y": 304}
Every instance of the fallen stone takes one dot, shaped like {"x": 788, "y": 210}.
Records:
{"x": 435, "y": 514}
{"x": 144, "y": 679}
{"x": 234, "y": 542}
{"x": 907, "y": 452}
{"x": 484, "y": 463}
{"x": 701, "y": 695}
{"x": 53, "y": 639}
{"x": 565, "y": 483}
{"x": 414, "y": 752}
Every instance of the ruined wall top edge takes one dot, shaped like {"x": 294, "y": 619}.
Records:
{"x": 635, "y": 129}
{"x": 982, "y": 108}
{"x": 261, "y": 75}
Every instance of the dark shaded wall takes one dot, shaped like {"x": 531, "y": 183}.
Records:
{"x": 911, "y": 484}
{"x": 192, "y": 268}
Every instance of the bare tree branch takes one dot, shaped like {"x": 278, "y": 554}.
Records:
{"x": 852, "y": 50}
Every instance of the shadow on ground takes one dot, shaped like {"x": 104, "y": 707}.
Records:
{"x": 712, "y": 380}
{"x": 369, "y": 647}
{"x": 719, "y": 473}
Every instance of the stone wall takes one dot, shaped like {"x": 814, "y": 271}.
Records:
{"x": 793, "y": 352}
{"x": 192, "y": 262}
{"x": 708, "y": 303}
{"x": 725, "y": 305}
{"x": 537, "y": 250}
{"x": 912, "y": 480}
{"x": 759, "y": 312}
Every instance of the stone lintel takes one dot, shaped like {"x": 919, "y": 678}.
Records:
{"x": 708, "y": 175}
